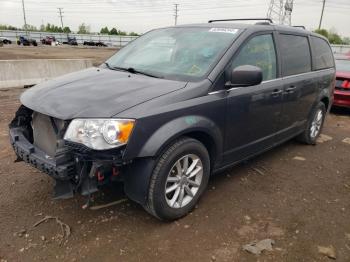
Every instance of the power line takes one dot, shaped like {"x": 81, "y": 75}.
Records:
{"x": 176, "y": 13}
{"x": 324, "y": 3}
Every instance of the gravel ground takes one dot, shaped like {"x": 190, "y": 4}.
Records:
{"x": 296, "y": 195}
{"x": 97, "y": 54}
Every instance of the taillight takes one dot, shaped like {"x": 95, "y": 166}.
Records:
{"x": 345, "y": 84}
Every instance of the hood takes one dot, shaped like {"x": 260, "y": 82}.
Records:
{"x": 95, "y": 92}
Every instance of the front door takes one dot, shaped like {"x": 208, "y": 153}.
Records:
{"x": 253, "y": 112}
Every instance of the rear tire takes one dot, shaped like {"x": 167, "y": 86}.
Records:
{"x": 314, "y": 125}
{"x": 178, "y": 180}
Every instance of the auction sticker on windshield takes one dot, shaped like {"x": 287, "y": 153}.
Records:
{"x": 224, "y": 30}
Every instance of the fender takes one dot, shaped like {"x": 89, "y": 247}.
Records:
{"x": 179, "y": 127}
{"x": 135, "y": 184}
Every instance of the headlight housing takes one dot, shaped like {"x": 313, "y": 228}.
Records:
{"x": 100, "y": 134}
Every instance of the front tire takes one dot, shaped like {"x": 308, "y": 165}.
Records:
{"x": 178, "y": 180}
{"x": 314, "y": 125}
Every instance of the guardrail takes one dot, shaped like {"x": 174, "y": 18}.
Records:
{"x": 111, "y": 40}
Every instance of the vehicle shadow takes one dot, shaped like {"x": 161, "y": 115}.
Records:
{"x": 344, "y": 111}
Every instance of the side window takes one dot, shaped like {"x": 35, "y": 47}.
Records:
{"x": 322, "y": 54}
{"x": 260, "y": 52}
{"x": 296, "y": 57}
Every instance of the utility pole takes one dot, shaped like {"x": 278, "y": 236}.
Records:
{"x": 61, "y": 16}
{"x": 25, "y": 19}
{"x": 324, "y": 3}
{"x": 60, "y": 12}
{"x": 176, "y": 12}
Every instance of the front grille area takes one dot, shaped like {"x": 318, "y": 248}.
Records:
{"x": 47, "y": 131}
{"x": 37, "y": 140}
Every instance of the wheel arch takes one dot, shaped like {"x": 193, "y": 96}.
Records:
{"x": 325, "y": 101}
{"x": 198, "y": 127}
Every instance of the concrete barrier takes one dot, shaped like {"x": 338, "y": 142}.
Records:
{"x": 16, "y": 73}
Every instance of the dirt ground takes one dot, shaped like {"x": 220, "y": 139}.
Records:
{"x": 97, "y": 54}
{"x": 296, "y": 195}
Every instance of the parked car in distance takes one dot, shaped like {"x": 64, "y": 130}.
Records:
{"x": 342, "y": 84}
{"x": 219, "y": 94}
{"x": 93, "y": 43}
{"x": 5, "y": 40}
{"x": 100, "y": 43}
{"x": 48, "y": 40}
{"x": 23, "y": 40}
{"x": 72, "y": 41}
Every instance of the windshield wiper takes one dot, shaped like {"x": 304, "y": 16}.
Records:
{"x": 108, "y": 66}
{"x": 133, "y": 71}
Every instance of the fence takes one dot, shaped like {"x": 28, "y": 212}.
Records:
{"x": 110, "y": 40}
{"x": 341, "y": 49}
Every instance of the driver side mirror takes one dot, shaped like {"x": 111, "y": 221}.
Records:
{"x": 245, "y": 75}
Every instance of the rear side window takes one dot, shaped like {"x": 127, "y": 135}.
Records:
{"x": 260, "y": 52}
{"x": 322, "y": 53}
{"x": 296, "y": 58}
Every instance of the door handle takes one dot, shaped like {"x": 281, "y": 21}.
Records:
{"x": 276, "y": 92}
{"x": 290, "y": 89}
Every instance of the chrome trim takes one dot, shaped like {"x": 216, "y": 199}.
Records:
{"x": 307, "y": 73}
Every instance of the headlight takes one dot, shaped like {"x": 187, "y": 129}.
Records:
{"x": 100, "y": 134}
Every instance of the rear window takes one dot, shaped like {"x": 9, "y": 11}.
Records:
{"x": 322, "y": 54}
{"x": 296, "y": 58}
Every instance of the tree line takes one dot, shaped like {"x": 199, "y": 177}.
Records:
{"x": 82, "y": 29}
{"x": 333, "y": 37}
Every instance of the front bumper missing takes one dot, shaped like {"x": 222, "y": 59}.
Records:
{"x": 76, "y": 168}
{"x": 59, "y": 168}
{"x": 73, "y": 171}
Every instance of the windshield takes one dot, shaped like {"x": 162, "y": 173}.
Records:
{"x": 343, "y": 65}
{"x": 185, "y": 54}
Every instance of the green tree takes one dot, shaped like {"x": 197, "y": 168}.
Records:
{"x": 66, "y": 30}
{"x": 30, "y": 27}
{"x": 104, "y": 30}
{"x": 323, "y": 32}
{"x": 335, "y": 39}
{"x": 133, "y": 34}
{"x": 346, "y": 40}
{"x": 122, "y": 33}
{"x": 113, "y": 31}
{"x": 83, "y": 29}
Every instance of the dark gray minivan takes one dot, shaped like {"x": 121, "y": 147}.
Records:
{"x": 174, "y": 106}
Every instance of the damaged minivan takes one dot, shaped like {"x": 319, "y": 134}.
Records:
{"x": 175, "y": 106}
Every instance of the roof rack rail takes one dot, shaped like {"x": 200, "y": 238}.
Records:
{"x": 242, "y": 19}
{"x": 299, "y": 26}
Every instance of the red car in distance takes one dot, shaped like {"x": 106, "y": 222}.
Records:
{"x": 342, "y": 84}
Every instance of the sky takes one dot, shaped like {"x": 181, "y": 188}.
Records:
{"x": 143, "y": 15}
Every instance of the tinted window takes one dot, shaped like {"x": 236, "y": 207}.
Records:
{"x": 260, "y": 52}
{"x": 322, "y": 54}
{"x": 296, "y": 58}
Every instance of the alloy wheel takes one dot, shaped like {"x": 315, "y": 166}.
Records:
{"x": 316, "y": 124}
{"x": 183, "y": 181}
